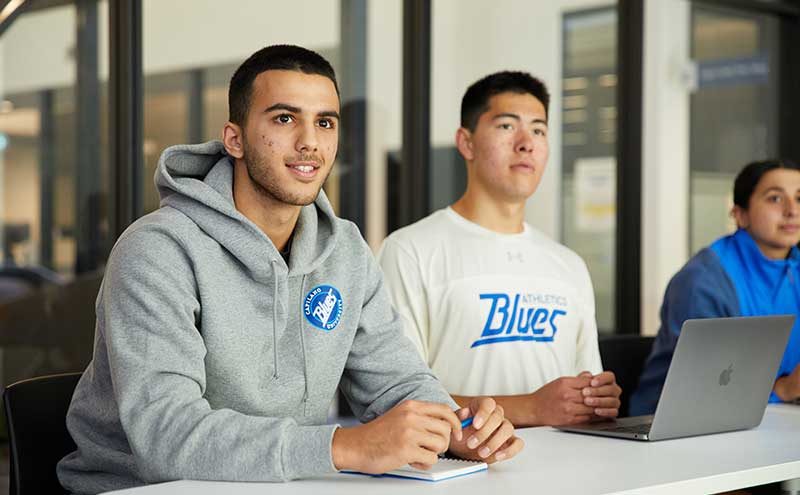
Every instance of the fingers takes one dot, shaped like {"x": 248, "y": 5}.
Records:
{"x": 604, "y": 378}
{"x": 603, "y": 395}
{"x": 581, "y": 409}
{"x": 605, "y": 391}
{"x": 433, "y": 443}
{"x": 436, "y": 434}
{"x": 509, "y": 449}
{"x": 569, "y": 394}
{"x": 607, "y": 412}
{"x": 440, "y": 412}
{"x": 495, "y": 420}
{"x": 482, "y": 409}
{"x": 444, "y": 413}
{"x": 571, "y": 388}
{"x": 499, "y": 437}
{"x": 422, "y": 458}
{"x": 602, "y": 402}
{"x": 581, "y": 381}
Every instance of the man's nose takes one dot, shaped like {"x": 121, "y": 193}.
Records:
{"x": 792, "y": 208}
{"x": 524, "y": 141}
{"x": 307, "y": 139}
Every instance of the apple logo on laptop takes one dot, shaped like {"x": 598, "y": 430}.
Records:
{"x": 725, "y": 376}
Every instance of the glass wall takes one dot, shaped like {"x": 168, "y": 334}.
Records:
{"x": 589, "y": 169}
{"x": 734, "y": 117}
{"x": 53, "y": 186}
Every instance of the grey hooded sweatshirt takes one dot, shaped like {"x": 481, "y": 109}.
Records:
{"x": 214, "y": 360}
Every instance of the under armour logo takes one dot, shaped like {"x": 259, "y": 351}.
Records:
{"x": 515, "y": 256}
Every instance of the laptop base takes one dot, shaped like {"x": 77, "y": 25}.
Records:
{"x": 632, "y": 428}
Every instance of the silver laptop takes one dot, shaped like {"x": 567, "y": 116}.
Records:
{"x": 720, "y": 379}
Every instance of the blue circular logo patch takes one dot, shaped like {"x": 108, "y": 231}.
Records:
{"x": 323, "y": 307}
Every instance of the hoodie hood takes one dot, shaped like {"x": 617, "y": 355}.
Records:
{"x": 197, "y": 180}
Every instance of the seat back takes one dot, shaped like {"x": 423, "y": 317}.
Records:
{"x": 625, "y": 355}
{"x": 36, "y": 412}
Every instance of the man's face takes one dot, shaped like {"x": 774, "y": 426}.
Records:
{"x": 508, "y": 148}
{"x": 291, "y": 134}
{"x": 773, "y": 214}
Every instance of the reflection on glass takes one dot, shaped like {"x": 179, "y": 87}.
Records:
{"x": 53, "y": 187}
{"x": 589, "y": 123}
{"x": 733, "y": 111}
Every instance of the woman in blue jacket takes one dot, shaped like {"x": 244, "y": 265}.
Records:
{"x": 752, "y": 272}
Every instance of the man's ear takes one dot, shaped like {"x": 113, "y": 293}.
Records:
{"x": 464, "y": 143}
{"x": 233, "y": 139}
{"x": 740, "y": 215}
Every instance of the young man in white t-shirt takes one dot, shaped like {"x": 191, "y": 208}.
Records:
{"x": 493, "y": 305}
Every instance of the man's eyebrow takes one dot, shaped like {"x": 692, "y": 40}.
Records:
{"x": 773, "y": 189}
{"x": 506, "y": 115}
{"x": 330, "y": 113}
{"x": 517, "y": 117}
{"x": 283, "y": 106}
{"x": 293, "y": 109}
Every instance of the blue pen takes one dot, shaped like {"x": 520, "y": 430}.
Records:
{"x": 466, "y": 422}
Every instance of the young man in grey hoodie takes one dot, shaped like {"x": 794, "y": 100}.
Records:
{"x": 228, "y": 317}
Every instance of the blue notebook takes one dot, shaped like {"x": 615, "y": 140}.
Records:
{"x": 444, "y": 469}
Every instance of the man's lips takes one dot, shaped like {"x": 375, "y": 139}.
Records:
{"x": 304, "y": 168}
{"x": 790, "y": 228}
{"x": 523, "y": 166}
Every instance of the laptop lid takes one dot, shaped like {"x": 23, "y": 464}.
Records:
{"x": 721, "y": 375}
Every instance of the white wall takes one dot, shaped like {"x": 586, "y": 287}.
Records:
{"x": 37, "y": 50}
{"x": 385, "y": 110}
{"x": 181, "y": 34}
{"x": 665, "y": 156}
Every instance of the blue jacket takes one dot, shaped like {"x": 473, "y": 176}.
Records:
{"x": 729, "y": 278}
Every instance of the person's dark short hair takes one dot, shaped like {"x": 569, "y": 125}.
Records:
{"x": 749, "y": 177}
{"x": 476, "y": 100}
{"x": 275, "y": 57}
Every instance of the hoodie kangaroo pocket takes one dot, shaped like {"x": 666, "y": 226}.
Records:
{"x": 283, "y": 395}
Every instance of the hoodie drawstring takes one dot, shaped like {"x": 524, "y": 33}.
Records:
{"x": 303, "y": 345}
{"x": 275, "y": 332}
{"x": 275, "y": 318}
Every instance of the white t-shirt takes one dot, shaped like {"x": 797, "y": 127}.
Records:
{"x": 491, "y": 313}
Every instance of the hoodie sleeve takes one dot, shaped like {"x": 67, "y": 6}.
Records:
{"x": 702, "y": 289}
{"x": 384, "y": 367}
{"x": 149, "y": 310}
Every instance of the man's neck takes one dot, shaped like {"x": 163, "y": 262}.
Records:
{"x": 499, "y": 216}
{"x": 273, "y": 217}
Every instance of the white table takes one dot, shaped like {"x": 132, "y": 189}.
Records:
{"x": 566, "y": 463}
